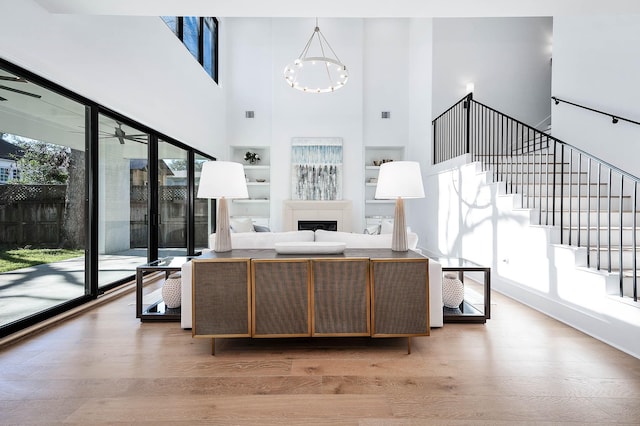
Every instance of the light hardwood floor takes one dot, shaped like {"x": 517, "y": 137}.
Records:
{"x": 105, "y": 367}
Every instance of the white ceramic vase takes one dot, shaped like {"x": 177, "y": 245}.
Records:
{"x": 171, "y": 291}
{"x": 452, "y": 291}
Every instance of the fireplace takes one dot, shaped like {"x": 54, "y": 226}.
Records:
{"x": 314, "y": 225}
{"x": 338, "y": 211}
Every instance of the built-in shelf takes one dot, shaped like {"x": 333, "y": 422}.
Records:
{"x": 258, "y": 205}
{"x": 377, "y": 210}
{"x": 380, "y": 201}
{"x": 248, "y": 201}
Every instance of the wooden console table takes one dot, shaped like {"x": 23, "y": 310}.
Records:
{"x": 261, "y": 294}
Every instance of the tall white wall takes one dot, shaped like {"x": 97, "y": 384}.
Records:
{"x": 386, "y": 82}
{"x": 507, "y": 59}
{"x": 248, "y": 86}
{"x": 378, "y": 55}
{"x": 420, "y": 135}
{"x": 338, "y": 114}
{"x": 133, "y": 65}
{"x": 596, "y": 63}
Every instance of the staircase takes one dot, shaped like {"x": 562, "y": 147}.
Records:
{"x": 585, "y": 203}
{"x": 584, "y": 206}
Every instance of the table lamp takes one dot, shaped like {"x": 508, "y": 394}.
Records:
{"x": 222, "y": 180}
{"x": 398, "y": 180}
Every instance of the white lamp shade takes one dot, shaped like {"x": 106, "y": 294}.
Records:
{"x": 220, "y": 179}
{"x": 399, "y": 179}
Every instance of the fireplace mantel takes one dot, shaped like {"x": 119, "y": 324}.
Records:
{"x": 295, "y": 210}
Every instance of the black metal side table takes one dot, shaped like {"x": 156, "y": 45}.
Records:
{"x": 157, "y": 311}
{"x": 469, "y": 311}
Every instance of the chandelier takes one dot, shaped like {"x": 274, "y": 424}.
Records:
{"x": 314, "y": 71}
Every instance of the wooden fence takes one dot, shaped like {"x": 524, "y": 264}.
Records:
{"x": 172, "y": 209}
{"x": 31, "y": 215}
{"x": 34, "y": 215}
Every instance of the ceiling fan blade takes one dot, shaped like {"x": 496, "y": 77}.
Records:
{"x": 11, "y": 89}
{"x": 2, "y": 99}
{"x": 14, "y": 79}
{"x": 136, "y": 138}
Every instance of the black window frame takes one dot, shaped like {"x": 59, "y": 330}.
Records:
{"x": 92, "y": 110}
{"x": 215, "y": 45}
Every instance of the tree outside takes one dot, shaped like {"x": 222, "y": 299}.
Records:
{"x": 42, "y": 163}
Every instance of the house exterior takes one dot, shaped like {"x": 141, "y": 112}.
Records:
{"x": 9, "y": 153}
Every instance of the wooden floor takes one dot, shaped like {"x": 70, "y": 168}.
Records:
{"x": 105, "y": 367}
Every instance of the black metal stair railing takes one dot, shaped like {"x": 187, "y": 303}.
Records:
{"x": 594, "y": 204}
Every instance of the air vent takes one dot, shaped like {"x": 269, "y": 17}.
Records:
{"x": 249, "y": 114}
{"x": 386, "y": 114}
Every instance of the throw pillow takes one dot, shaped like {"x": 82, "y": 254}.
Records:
{"x": 386, "y": 227}
{"x": 243, "y": 224}
{"x": 372, "y": 230}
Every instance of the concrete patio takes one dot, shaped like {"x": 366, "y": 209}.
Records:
{"x": 26, "y": 291}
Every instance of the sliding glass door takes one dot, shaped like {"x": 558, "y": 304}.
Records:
{"x": 123, "y": 200}
{"x": 172, "y": 199}
{"x": 204, "y": 208}
{"x": 42, "y": 200}
{"x": 86, "y": 196}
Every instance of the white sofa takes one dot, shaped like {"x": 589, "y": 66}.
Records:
{"x": 256, "y": 240}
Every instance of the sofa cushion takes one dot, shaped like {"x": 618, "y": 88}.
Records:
{"x": 363, "y": 240}
{"x": 241, "y": 224}
{"x": 261, "y": 240}
{"x": 386, "y": 226}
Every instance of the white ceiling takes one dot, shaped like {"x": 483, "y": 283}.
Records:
{"x": 344, "y": 8}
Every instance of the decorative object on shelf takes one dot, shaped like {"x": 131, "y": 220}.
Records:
{"x": 316, "y": 169}
{"x": 452, "y": 291}
{"x": 252, "y": 157}
{"x": 398, "y": 180}
{"x": 261, "y": 180}
{"x": 377, "y": 163}
{"x": 171, "y": 291}
{"x": 222, "y": 180}
{"x": 315, "y": 72}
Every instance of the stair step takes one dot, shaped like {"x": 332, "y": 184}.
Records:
{"x": 588, "y": 217}
{"x": 582, "y": 189}
{"x": 604, "y": 252}
{"x": 529, "y": 177}
{"x": 577, "y": 203}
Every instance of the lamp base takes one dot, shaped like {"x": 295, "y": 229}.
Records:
{"x": 399, "y": 237}
{"x": 223, "y": 230}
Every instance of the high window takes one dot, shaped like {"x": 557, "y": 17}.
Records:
{"x": 200, "y": 37}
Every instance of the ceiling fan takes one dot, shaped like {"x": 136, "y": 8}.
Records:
{"x": 11, "y": 89}
{"x": 121, "y": 135}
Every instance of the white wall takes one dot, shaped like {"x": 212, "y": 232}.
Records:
{"x": 386, "y": 53}
{"x": 596, "y": 63}
{"x": 507, "y": 59}
{"x": 131, "y": 64}
{"x": 259, "y": 49}
{"x": 420, "y": 135}
{"x": 248, "y": 86}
